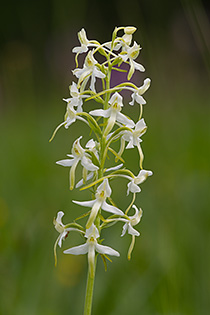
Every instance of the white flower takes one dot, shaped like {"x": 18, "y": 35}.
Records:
{"x": 76, "y": 97}
{"x": 91, "y": 146}
{"x": 78, "y": 154}
{"x": 89, "y": 70}
{"x": 103, "y": 191}
{"x": 133, "y": 137}
{"x": 90, "y": 247}
{"x": 71, "y": 114}
{"x": 132, "y": 53}
{"x": 137, "y": 180}
{"x": 113, "y": 113}
{"x": 132, "y": 221}
{"x": 137, "y": 94}
{"x": 85, "y": 43}
{"x": 124, "y": 41}
{"x": 62, "y": 230}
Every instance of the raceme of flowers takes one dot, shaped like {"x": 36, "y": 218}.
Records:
{"x": 109, "y": 124}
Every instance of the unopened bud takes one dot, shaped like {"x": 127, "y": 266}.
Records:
{"x": 129, "y": 30}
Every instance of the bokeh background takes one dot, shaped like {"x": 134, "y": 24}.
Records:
{"x": 169, "y": 272}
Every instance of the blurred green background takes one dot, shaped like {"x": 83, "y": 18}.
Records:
{"x": 169, "y": 272}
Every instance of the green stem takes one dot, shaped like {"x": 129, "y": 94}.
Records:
{"x": 91, "y": 277}
{"x": 89, "y": 294}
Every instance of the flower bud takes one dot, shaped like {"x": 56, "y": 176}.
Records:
{"x": 129, "y": 30}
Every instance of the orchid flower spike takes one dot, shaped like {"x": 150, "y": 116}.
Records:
{"x": 90, "y": 247}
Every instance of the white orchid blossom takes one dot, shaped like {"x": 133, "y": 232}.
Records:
{"x": 63, "y": 231}
{"x": 131, "y": 221}
{"x": 133, "y": 137}
{"x": 89, "y": 70}
{"x": 124, "y": 41}
{"x": 91, "y": 146}
{"x": 78, "y": 154}
{"x": 90, "y": 247}
{"x": 76, "y": 97}
{"x": 113, "y": 113}
{"x": 137, "y": 94}
{"x": 71, "y": 114}
{"x": 85, "y": 43}
{"x": 103, "y": 191}
{"x": 137, "y": 180}
{"x": 131, "y": 54}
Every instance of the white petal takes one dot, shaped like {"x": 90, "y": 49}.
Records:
{"x": 85, "y": 203}
{"x": 140, "y": 99}
{"x": 101, "y": 249}
{"x": 124, "y": 120}
{"x": 105, "y": 206}
{"x": 125, "y": 227}
{"x": 88, "y": 164}
{"x": 138, "y": 66}
{"x": 77, "y": 250}
{"x": 60, "y": 214}
{"x": 140, "y": 125}
{"x": 100, "y": 112}
{"x": 104, "y": 186}
{"x": 132, "y": 231}
{"x": 66, "y": 162}
{"x": 92, "y": 231}
{"x": 133, "y": 99}
{"x": 144, "y": 87}
{"x": 130, "y": 144}
{"x": 97, "y": 73}
{"x": 92, "y": 83}
{"x": 133, "y": 188}
{"x": 116, "y": 97}
{"x": 114, "y": 168}
{"x": 61, "y": 237}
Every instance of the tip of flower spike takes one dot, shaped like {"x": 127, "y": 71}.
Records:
{"x": 130, "y": 30}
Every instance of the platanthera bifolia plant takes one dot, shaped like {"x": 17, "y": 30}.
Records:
{"x": 108, "y": 124}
